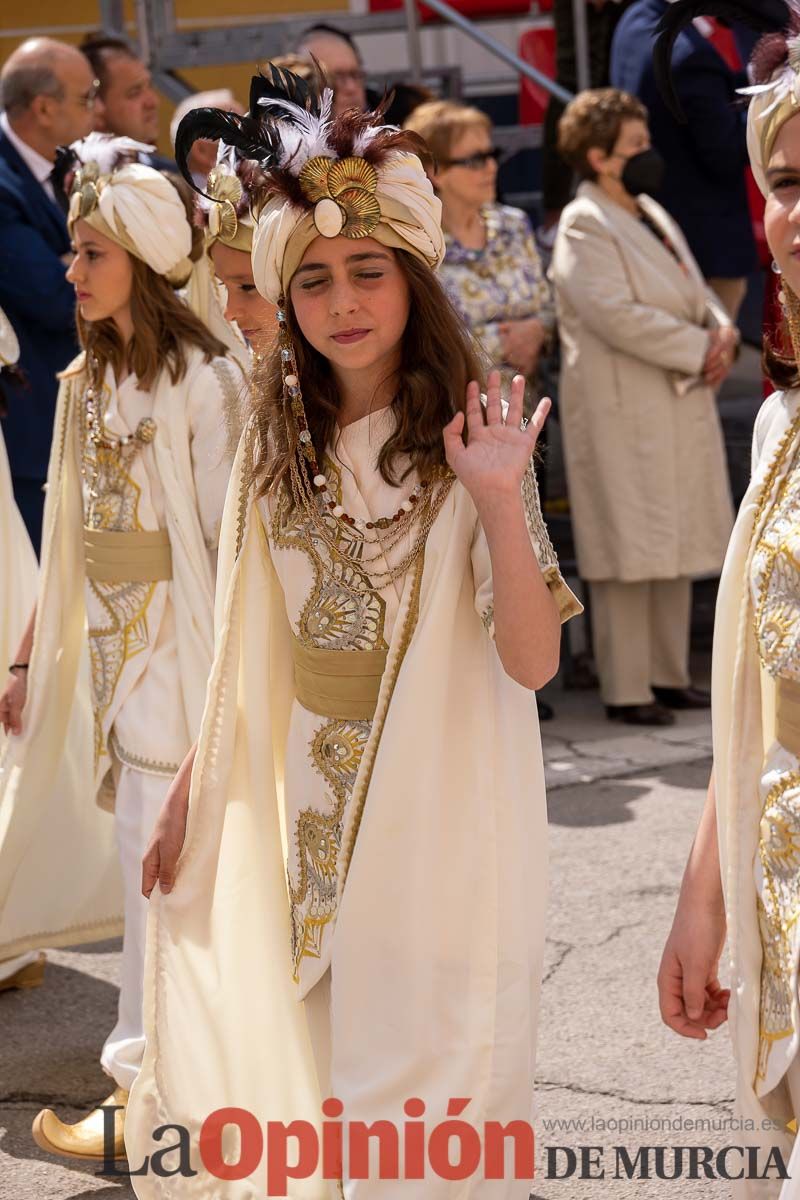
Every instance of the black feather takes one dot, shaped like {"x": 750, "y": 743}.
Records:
{"x": 250, "y": 138}
{"x": 765, "y": 16}
{"x": 283, "y": 85}
{"x": 66, "y": 162}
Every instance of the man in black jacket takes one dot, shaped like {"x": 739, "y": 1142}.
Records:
{"x": 704, "y": 187}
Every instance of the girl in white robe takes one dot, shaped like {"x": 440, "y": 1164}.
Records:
{"x": 357, "y": 909}
{"x": 144, "y": 437}
{"x": 742, "y": 880}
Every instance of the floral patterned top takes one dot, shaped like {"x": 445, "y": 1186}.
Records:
{"x": 502, "y": 282}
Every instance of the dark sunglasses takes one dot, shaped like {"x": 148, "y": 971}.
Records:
{"x": 475, "y": 161}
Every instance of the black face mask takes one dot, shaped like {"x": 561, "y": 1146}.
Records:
{"x": 643, "y": 172}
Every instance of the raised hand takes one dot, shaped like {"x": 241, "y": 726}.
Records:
{"x": 497, "y": 453}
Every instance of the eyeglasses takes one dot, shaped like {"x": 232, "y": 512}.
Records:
{"x": 474, "y": 162}
{"x": 87, "y": 99}
{"x": 356, "y": 75}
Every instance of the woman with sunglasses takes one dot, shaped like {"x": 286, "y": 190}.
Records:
{"x": 491, "y": 271}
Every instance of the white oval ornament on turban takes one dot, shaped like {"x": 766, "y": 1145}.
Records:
{"x": 328, "y": 218}
{"x": 404, "y": 213}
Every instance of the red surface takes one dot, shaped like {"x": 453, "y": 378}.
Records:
{"x": 469, "y": 8}
{"x": 537, "y": 47}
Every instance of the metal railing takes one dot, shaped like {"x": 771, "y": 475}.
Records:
{"x": 168, "y": 50}
{"x": 453, "y": 17}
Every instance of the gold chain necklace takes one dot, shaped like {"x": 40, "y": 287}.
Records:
{"x": 100, "y": 440}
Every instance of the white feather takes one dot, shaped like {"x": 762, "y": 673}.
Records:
{"x": 106, "y": 150}
{"x": 304, "y": 135}
{"x": 782, "y": 84}
{"x": 226, "y": 156}
{"x": 361, "y": 142}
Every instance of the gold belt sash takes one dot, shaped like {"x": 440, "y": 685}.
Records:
{"x": 338, "y": 683}
{"x": 787, "y": 715}
{"x": 141, "y": 556}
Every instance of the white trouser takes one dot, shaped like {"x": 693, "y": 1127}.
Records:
{"x": 139, "y": 800}
{"x": 641, "y": 637}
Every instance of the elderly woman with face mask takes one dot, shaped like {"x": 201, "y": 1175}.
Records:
{"x": 644, "y": 345}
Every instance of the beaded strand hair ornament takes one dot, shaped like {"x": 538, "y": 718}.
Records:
{"x": 352, "y": 177}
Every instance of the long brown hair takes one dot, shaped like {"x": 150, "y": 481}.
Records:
{"x": 438, "y": 360}
{"x": 778, "y": 360}
{"x": 163, "y": 326}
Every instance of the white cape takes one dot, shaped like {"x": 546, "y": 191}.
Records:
{"x": 59, "y": 872}
{"x": 437, "y": 953}
{"x": 18, "y": 568}
{"x": 743, "y": 721}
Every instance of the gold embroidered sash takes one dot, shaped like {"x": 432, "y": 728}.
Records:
{"x": 338, "y": 683}
{"x": 141, "y": 556}
{"x": 787, "y": 714}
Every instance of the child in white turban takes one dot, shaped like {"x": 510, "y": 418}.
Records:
{"x": 357, "y": 910}
{"x": 108, "y": 683}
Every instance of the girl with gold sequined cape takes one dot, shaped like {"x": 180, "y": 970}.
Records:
{"x": 757, "y": 779}
{"x": 742, "y": 880}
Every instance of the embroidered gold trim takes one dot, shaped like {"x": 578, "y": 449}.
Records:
{"x": 233, "y": 402}
{"x": 336, "y": 752}
{"x": 149, "y": 766}
{"x": 393, "y": 667}
{"x": 779, "y": 852}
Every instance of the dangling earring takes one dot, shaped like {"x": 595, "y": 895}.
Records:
{"x": 781, "y": 294}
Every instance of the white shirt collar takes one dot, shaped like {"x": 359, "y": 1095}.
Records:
{"x": 39, "y": 166}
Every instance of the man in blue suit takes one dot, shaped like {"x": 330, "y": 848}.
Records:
{"x": 46, "y": 93}
{"x": 704, "y": 188}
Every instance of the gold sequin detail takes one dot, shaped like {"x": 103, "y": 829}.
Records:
{"x": 340, "y": 613}
{"x": 776, "y": 571}
{"x": 123, "y": 632}
{"x": 778, "y": 910}
{"x": 336, "y": 753}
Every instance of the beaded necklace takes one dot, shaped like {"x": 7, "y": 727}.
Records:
{"x": 371, "y": 541}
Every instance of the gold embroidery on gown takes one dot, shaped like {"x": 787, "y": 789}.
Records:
{"x": 336, "y": 752}
{"x": 333, "y": 617}
{"x": 776, "y": 582}
{"x": 123, "y": 633}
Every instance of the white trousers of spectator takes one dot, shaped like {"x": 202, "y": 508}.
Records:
{"x": 641, "y": 637}
{"x": 138, "y": 802}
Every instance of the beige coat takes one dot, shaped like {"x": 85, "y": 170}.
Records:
{"x": 645, "y": 459}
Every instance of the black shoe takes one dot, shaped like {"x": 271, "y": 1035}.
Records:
{"x": 544, "y": 710}
{"x": 682, "y": 698}
{"x": 640, "y": 714}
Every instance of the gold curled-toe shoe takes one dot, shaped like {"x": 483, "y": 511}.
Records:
{"x": 29, "y": 976}
{"x": 85, "y": 1139}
